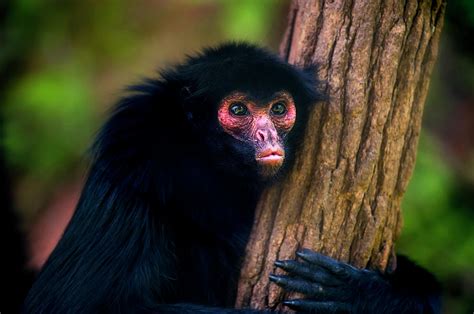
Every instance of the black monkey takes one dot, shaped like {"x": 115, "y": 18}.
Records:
{"x": 166, "y": 211}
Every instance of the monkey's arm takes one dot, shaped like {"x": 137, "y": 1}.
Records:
{"x": 336, "y": 287}
{"x": 110, "y": 258}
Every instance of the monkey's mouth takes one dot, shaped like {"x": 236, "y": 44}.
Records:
{"x": 270, "y": 157}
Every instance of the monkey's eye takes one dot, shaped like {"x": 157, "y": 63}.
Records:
{"x": 278, "y": 108}
{"x": 238, "y": 109}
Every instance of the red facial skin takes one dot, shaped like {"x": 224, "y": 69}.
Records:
{"x": 260, "y": 127}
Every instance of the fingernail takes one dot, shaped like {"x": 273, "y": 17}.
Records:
{"x": 274, "y": 278}
{"x": 300, "y": 254}
{"x": 279, "y": 263}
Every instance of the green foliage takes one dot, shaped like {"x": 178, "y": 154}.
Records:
{"x": 437, "y": 232}
{"x": 248, "y": 19}
{"x": 466, "y": 7}
{"x": 48, "y": 121}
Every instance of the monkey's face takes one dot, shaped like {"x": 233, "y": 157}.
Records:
{"x": 260, "y": 124}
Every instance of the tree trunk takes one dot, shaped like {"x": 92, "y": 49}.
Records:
{"x": 343, "y": 196}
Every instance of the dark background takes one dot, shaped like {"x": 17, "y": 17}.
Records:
{"x": 64, "y": 63}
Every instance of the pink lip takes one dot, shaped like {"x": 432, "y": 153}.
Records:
{"x": 270, "y": 156}
{"x": 270, "y": 152}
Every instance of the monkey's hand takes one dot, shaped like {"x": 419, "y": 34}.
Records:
{"x": 329, "y": 285}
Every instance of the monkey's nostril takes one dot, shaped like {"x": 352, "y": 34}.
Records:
{"x": 260, "y": 135}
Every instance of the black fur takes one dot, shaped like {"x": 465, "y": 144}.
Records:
{"x": 166, "y": 211}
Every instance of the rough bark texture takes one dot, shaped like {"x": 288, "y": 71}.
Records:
{"x": 343, "y": 196}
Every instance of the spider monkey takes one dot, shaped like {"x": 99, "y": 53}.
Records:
{"x": 168, "y": 205}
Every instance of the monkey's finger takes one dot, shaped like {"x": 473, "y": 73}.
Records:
{"x": 315, "y": 274}
{"x": 338, "y": 268}
{"x": 307, "y": 288}
{"x": 318, "y": 307}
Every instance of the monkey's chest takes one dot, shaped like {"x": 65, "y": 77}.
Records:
{"x": 211, "y": 226}
{"x": 209, "y": 268}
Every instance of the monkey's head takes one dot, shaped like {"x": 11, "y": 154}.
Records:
{"x": 248, "y": 106}
{"x": 261, "y": 124}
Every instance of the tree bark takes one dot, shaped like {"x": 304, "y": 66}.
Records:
{"x": 343, "y": 196}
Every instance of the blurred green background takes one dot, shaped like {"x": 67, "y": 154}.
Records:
{"x": 64, "y": 63}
